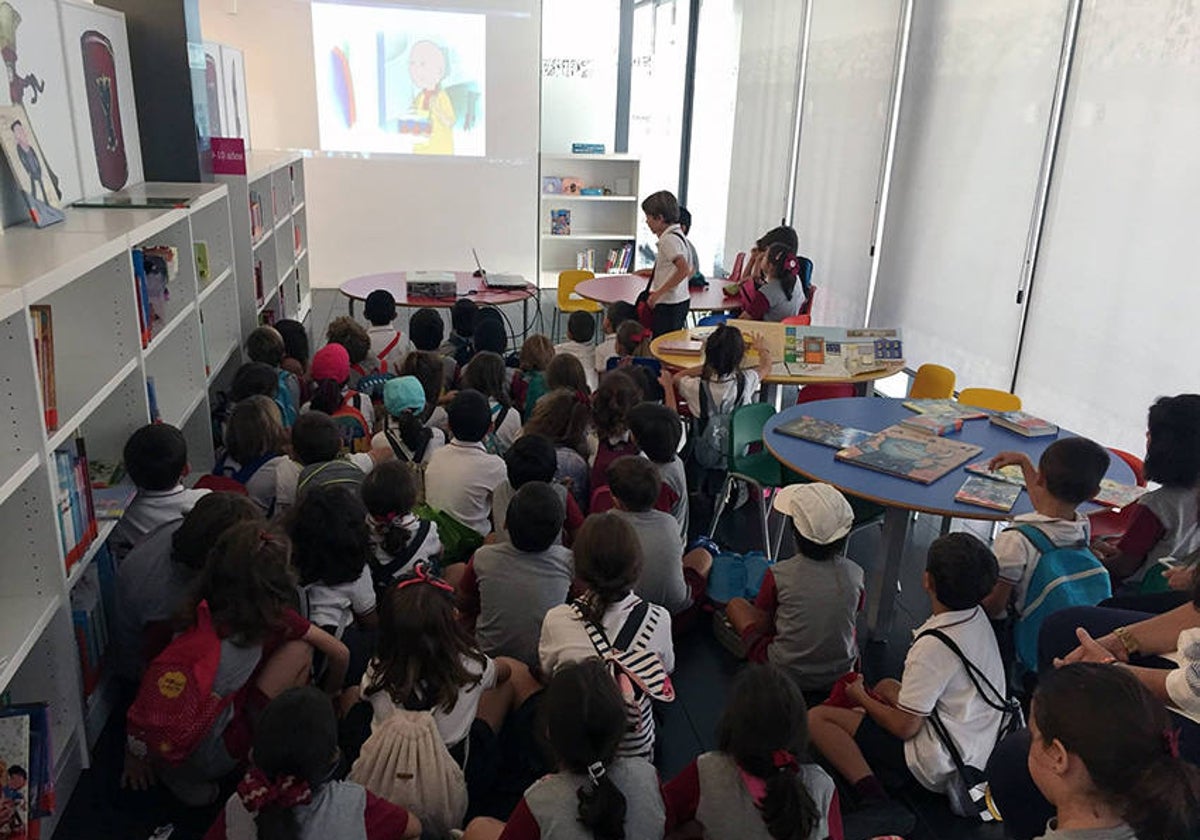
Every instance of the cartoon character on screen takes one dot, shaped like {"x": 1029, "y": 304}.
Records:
{"x": 427, "y": 67}
{"x": 10, "y": 20}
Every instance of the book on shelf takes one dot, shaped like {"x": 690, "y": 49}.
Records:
{"x": 292, "y": 182}
{"x": 43, "y": 348}
{"x": 105, "y": 473}
{"x": 203, "y": 344}
{"x": 152, "y": 399}
{"x": 1114, "y": 494}
{"x": 256, "y": 216}
{"x": 259, "y": 288}
{"x": 74, "y": 504}
{"x": 202, "y": 264}
{"x": 25, "y": 742}
{"x": 297, "y": 238}
{"x": 933, "y": 424}
{"x": 142, "y": 293}
{"x": 619, "y": 259}
{"x": 824, "y": 432}
{"x": 1024, "y": 424}
{"x": 560, "y": 222}
{"x": 112, "y": 502}
{"x": 90, "y": 618}
{"x": 988, "y": 492}
{"x": 586, "y": 259}
{"x": 949, "y": 408}
{"x": 910, "y": 455}
{"x": 1012, "y": 473}
{"x": 266, "y": 318}
{"x": 161, "y": 266}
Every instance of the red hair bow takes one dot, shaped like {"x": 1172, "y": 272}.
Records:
{"x": 582, "y": 398}
{"x": 256, "y": 791}
{"x": 785, "y": 760}
{"x": 792, "y": 264}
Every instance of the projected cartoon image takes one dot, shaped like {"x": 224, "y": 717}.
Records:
{"x": 400, "y": 80}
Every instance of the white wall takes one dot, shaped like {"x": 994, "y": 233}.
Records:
{"x": 378, "y": 213}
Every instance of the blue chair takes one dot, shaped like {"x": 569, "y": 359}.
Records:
{"x": 713, "y": 320}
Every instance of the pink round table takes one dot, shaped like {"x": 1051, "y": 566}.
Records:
{"x": 627, "y": 287}
{"x": 396, "y": 282}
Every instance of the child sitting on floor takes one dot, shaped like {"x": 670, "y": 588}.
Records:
{"x": 487, "y": 374}
{"x": 350, "y": 334}
{"x": 463, "y": 475}
{"x": 463, "y": 315}
{"x": 529, "y": 383}
{"x": 404, "y": 432}
{"x": 657, "y": 430}
{"x": 616, "y": 314}
{"x": 388, "y": 345}
{"x": 581, "y": 329}
{"x": 318, "y": 460}
{"x": 532, "y": 458}
{"x": 254, "y": 444}
{"x": 265, "y": 344}
{"x": 428, "y": 369}
{"x": 426, "y": 329}
{"x": 565, "y": 417}
{"x": 400, "y": 539}
{"x": 332, "y": 394}
{"x": 803, "y": 619}
{"x": 617, "y": 395}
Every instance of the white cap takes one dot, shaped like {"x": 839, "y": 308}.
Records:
{"x": 821, "y": 513}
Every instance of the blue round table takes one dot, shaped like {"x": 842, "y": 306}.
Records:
{"x": 899, "y": 496}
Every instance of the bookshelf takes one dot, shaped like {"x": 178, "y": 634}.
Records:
{"x": 271, "y": 245}
{"x": 599, "y": 223}
{"x": 83, "y": 270}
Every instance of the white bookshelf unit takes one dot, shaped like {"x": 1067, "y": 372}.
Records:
{"x": 272, "y": 259}
{"x": 82, "y": 268}
{"x": 598, "y": 222}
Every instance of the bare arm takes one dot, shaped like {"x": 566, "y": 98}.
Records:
{"x": 902, "y": 724}
{"x": 765, "y": 362}
{"x": 337, "y": 654}
{"x": 995, "y": 603}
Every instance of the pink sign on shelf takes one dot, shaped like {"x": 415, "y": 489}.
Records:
{"x": 229, "y": 156}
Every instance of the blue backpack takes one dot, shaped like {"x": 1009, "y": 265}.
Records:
{"x": 1064, "y": 576}
{"x": 736, "y": 576}
{"x": 283, "y": 399}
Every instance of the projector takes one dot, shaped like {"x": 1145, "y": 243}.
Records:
{"x": 432, "y": 284}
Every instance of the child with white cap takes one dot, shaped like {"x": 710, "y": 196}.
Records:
{"x": 803, "y": 619}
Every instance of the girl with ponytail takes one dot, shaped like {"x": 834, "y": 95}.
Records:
{"x": 1105, "y": 753}
{"x": 565, "y": 417}
{"x": 755, "y": 786}
{"x": 783, "y": 289}
{"x": 400, "y": 539}
{"x": 594, "y": 795}
{"x": 289, "y": 793}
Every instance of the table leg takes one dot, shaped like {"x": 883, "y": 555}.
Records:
{"x": 881, "y": 604}
{"x": 350, "y": 305}
{"x": 864, "y": 389}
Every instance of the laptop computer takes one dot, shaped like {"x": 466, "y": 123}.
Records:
{"x": 498, "y": 281}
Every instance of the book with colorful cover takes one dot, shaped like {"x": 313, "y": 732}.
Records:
{"x": 14, "y": 755}
{"x": 951, "y": 408}
{"x": 682, "y": 346}
{"x": 203, "y": 269}
{"x": 933, "y": 424}
{"x": 824, "y": 432}
{"x": 1013, "y": 474}
{"x": 560, "y": 222}
{"x": 988, "y": 493}
{"x": 112, "y": 502}
{"x": 908, "y": 454}
{"x": 1116, "y": 495}
{"x": 1024, "y": 424}
{"x": 43, "y": 346}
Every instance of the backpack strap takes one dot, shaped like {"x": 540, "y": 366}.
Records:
{"x": 391, "y": 345}
{"x": 741, "y": 388}
{"x": 595, "y": 632}
{"x": 1038, "y": 538}
{"x": 415, "y": 541}
{"x": 1001, "y": 703}
{"x": 632, "y": 625}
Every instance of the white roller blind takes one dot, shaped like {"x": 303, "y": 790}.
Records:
{"x": 973, "y": 121}
{"x": 848, "y": 83}
{"x": 1114, "y": 304}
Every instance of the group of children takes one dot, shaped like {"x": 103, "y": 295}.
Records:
{"x": 469, "y": 551}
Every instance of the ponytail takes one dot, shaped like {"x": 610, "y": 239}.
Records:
{"x": 389, "y": 492}
{"x": 602, "y": 805}
{"x": 393, "y": 537}
{"x": 785, "y": 267}
{"x": 1165, "y": 799}
{"x": 633, "y": 339}
{"x": 276, "y": 823}
{"x": 788, "y": 808}
{"x": 327, "y": 396}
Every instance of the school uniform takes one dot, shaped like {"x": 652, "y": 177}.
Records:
{"x": 722, "y": 390}
{"x": 148, "y": 510}
{"x": 1018, "y": 557}
{"x": 605, "y": 350}
{"x": 586, "y": 354}
{"x": 1165, "y": 523}
{"x": 388, "y": 346}
{"x": 674, "y": 479}
{"x": 670, "y": 313}
{"x": 507, "y": 428}
{"x": 460, "y": 480}
{"x": 504, "y": 494}
{"x": 288, "y": 472}
{"x": 779, "y": 306}
{"x": 661, "y": 580}
{"x": 151, "y": 588}
{"x": 454, "y": 725}
{"x": 345, "y": 810}
{"x": 260, "y": 484}
{"x": 1116, "y": 832}
{"x": 333, "y": 607}
{"x": 424, "y": 546}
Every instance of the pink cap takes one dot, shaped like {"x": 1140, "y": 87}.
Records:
{"x": 331, "y": 362}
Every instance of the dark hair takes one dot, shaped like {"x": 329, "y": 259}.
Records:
{"x": 390, "y": 492}
{"x": 17, "y": 770}
{"x": 490, "y": 335}
{"x": 633, "y": 339}
{"x": 724, "y": 350}
{"x": 615, "y": 397}
{"x": 203, "y": 525}
{"x": 535, "y": 516}
{"x": 380, "y": 308}
{"x": 330, "y": 538}
{"x": 778, "y": 256}
{"x": 462, "y": 317}
{"x": 581, "y": 327}
{"x": 783, "y": 235}
{"x": 419, "y": 660}
{"x": 963, "y": 570}
{"x": 1173, "y": 450}
{"x": 566, "y": 371}
{"x": 315, "y": 438}
{"x": 564, "y": 418}
{"x": 327, "y": 395}
{"x": 430, "y": 371}
{"x": 536, "y": 353}
{"x": 1126, "y": 739}
{"x": 530, "y": 458}
{"x": 155, "y": 456}
{"x": 426, "y": 329}
{"x": 657, "y": 430}
{"x": 351, "y": 335}
{"x": 278, "y": 752}
{"x": 1072, "y": 468}
{"x": 584, "y": 719}
{"x": 469, "y": 415}
{"x": 487, "y": 374}
{"x": 248, "y": 582}
{"x": 685, "y": 219}
{"x": 295, "y": 339}
{"x": 765, "y": 714}
{"x": 254, "y": 429}
{"x": 254, "y": 378}
{"x": 634, "y": 482}
{"x": 662, "y": 204}
{"x": 818, "y": 551}
{"x": 608, "y": 558}
{"x": 265, "y": 344}
{"x": 619, "y": 312}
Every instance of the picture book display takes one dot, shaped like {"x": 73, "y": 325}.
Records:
{"x": 28, "y": 166}
{"x": 560, "y": 222}
{"x": 907, "y": 454}
{"x": 945, "y": 408}
{"x": 1024, "y": 424}
{"x": 824, "y": 432}
{"x": 1012, "y": 473}
{"x": 74, "y": 504}
{"x": 988, "y": 492}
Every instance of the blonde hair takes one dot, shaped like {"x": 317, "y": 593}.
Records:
{"x": 536, "y": 353}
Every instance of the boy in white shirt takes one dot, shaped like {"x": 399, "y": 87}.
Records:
{"x": 463, "y": 475}
{"x": 669, "y": 297}
{"x": 581, "y": 329}
{"x": 388, "y": 345}
{"x": 888, "y": 734}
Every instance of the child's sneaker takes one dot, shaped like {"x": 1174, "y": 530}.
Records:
{"x": 727, "y": 636}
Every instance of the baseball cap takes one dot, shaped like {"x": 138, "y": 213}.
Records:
{"x": 402, "y": 394}
{"x": 331, "y": 362}
{"x": 820, "y": 513}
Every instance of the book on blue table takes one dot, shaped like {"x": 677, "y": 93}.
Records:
{"x": 988, "y": 492}
{"x": 945, "y": 408}
{"x": 1024, "y": 424}
{"x": 908, "y": 454}
{"x": 824, "y": 432}
{"x": 1013, "y": 474}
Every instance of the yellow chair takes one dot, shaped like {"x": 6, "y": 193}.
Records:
{"x": 932, "y": 382}
{"x": 568, "y": 301}
{"x": 990, "y": 399}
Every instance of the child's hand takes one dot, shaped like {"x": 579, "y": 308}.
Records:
{"x": 856, "y": 689}
{"x": 665, "y": 380}
{"x": 1181, "y": 579}
{"x": 1005, "y": 459}
{"x": 760, "y": 345}
{"x": 137, "y": 773}
{"x": 1105, "y": 550}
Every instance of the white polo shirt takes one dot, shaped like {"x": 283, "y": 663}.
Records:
{"x": 460, "y": 480}
{"x": 1018, "y": 557}
{"x": 671, "y": 244}
{"x": 935, "y": 679}
{"x": 721, "y": 390}
{"x": 149, "y": 510}
{"x": 381, "y": 337}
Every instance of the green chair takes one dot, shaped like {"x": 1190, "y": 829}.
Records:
{"x": 749, "y": 461}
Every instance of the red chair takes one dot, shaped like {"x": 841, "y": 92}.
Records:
{"x": 797, "y": 320}
{"x": 1110, "y": 523}
{"x": 820, "y": 391}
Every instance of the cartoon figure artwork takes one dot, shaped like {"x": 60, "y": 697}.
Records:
{"x": 104, "y": 109}
{"x": 427, "y": 68}
{"x": 18, "y": 84}
{"x": 28, "y": 165}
